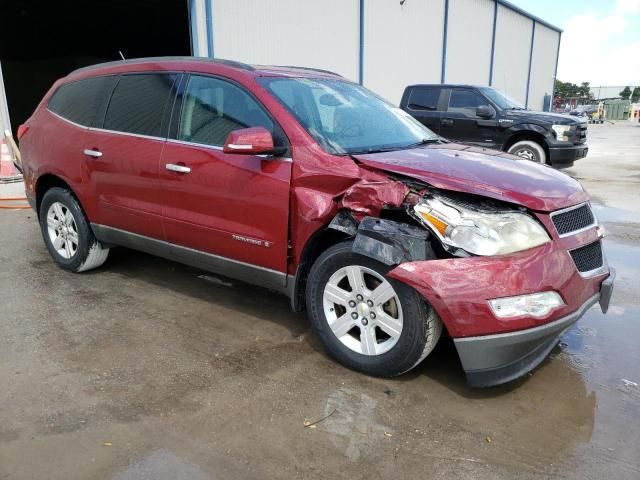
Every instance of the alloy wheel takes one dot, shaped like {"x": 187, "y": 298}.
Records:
{"x": 62, "y": 230}
{"x": 363, "y": 310}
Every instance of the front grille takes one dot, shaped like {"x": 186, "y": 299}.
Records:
{"x": 581, "y": 133}
{"x": 588, "y": 258}
{"x": 574, "y": 219}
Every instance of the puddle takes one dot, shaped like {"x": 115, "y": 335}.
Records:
{"x": 161, "y": 464}
{"x": 612, "y": 214}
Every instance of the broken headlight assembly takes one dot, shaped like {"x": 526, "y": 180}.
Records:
{"x": 479, "y": 232}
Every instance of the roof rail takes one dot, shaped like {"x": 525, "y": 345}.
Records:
{"x": 310, "y": 69}
{"x": 134, "y": 61}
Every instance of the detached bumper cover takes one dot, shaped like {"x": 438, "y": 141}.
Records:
{"x": 494, "y": 359}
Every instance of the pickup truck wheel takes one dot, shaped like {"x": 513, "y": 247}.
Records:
{"x": 67, "y": 234}
{"x": 365, "y": 320}
{"x": 529, "y": 150}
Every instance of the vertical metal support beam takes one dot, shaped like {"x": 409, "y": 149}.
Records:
{"x": 555, "y": 74}
{"x": 533, "y": 37}
{"x": 192, "y": 27}
{"x": 361, "y": 45}
{"x": 493, "y": 40}
{"x": 444, "y": 41}
{"x": 209, "y": 19}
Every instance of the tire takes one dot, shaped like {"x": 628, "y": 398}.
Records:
{"x": 67, "y": 234}
{"x": 529, "y": 150}
{"x": 394, "y": 336}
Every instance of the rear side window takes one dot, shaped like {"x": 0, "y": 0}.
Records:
{"x": 138, "y": 103}
{"x": 80, "y": 101}
{"x": 424, "y": 98}
{"x": 213, "y": 108}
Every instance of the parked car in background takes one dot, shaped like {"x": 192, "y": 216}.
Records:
{"x": 583, "y": 111}
{"x": 306, "y": 183}
{"x": 486, "y": 117}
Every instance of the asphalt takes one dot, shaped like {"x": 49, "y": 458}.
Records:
{"x": 146, "y": 369}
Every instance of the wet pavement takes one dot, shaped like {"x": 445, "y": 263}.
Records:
{"x": 146, "y": 369}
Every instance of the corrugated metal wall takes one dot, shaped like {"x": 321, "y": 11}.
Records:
{"x": 315, "y": 33}
{"x": 543, "y": 65}
{"x": 402, "y": 42}
{"x": 469, "y": 37}
{"x": 402, "y": 45}
{"x": 511, "y": 58}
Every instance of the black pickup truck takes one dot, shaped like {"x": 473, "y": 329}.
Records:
{"x": 486, "y": 117}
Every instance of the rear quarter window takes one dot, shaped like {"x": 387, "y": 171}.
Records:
{"x": 138, "y": 103}
{"x": 81, "y": 101}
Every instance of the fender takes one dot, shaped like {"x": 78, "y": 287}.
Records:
{"x": 525, "y": 128}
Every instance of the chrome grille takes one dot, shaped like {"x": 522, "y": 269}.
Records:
{"x": 573, "y": 219}
{"x": 588, "y": 258}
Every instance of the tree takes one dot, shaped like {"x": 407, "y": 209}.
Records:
{"x": 569, "y": 90}
{"x": 635, "y": 96}
{"x": 625, "y": 93}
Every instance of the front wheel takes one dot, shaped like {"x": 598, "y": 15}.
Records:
{"x": 529, "y": 150}
{"x": 67, "y": 234}
{"x": 365, "y": 320}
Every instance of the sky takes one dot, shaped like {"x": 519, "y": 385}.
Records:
{"x": 601, "y": 39}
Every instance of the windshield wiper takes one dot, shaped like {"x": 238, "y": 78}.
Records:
{"x": 515, "y": 108}
{"x": 424, "y": 141}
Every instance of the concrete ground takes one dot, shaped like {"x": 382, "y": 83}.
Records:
{"x": 146, "y": 369}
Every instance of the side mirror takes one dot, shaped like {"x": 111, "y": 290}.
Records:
{"x": 249, "y": 141}
{"x": 484, "y": 111}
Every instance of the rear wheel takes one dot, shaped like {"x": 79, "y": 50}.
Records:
{"x": 366, "y": 320}
{"x": 529, "y": 150}
{"x": 67, "y": 234}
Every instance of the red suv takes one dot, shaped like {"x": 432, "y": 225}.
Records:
{"x": 308, "y": 184}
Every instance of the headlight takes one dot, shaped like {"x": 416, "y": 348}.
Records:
{"x": 480, "y": 233}
{"x": 562, "y": 132}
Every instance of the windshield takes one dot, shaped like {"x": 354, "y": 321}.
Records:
{"x": 500, "y": 99}
{"x": 345, "y": 118}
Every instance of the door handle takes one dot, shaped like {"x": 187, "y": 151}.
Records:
{"x": 177, "y": 168}
{"x": 92, "y": 153}
{"x": 446, "y": 122}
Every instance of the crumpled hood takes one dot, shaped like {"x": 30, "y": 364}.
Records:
{"x": 484, "y": 172}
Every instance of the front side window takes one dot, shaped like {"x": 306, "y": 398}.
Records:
{"x": 213, "y": 108}
{"x": 80, "y": 101}
{"x": 345, "y": 118}
{"x": 138, "y": 103}
{"x": 500, "y": 99}
{"x": 465, "y": 102}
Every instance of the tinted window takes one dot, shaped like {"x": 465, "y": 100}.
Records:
{"x": 212, "y": 108}
{"x": 465, "y": 102}
{"x": 138, "y": 102}
{"x": 80, "y": 101}
{"x": 424, "y": 98}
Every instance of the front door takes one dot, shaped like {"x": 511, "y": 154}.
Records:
{"x": 459, "y": 123}
{"x": 232, "y": 207}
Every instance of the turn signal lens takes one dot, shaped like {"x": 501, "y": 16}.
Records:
{"x": 533, "y": 305}
{"x": 438, "y": 224}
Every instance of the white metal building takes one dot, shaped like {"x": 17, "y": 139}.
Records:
{"x": 388, "y": 44}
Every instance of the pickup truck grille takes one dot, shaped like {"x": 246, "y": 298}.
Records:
{"x": 581, "y": 133}
{"x": 588, "y": 258}
{"x": 573, "y": 219}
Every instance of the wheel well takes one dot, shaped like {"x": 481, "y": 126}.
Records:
{"x": 318, "y": 243}
{"x": 528, "y": 135}
{"x": 46, "y": 182}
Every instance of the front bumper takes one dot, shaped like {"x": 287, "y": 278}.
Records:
{"x": 494, "y": 359}
{"x": 563, "y": 157}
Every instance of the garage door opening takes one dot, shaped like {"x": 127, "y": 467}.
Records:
{"x": 43, "y": 41}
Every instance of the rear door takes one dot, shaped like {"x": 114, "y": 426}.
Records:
{"x": 234, "y": 207}
{"x": 423, "y": 103}
{"x": 459, "y": 123}
{"x": 123, "y": 156}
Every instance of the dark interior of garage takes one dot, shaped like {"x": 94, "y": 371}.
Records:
{"x": 43, "y": 40}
